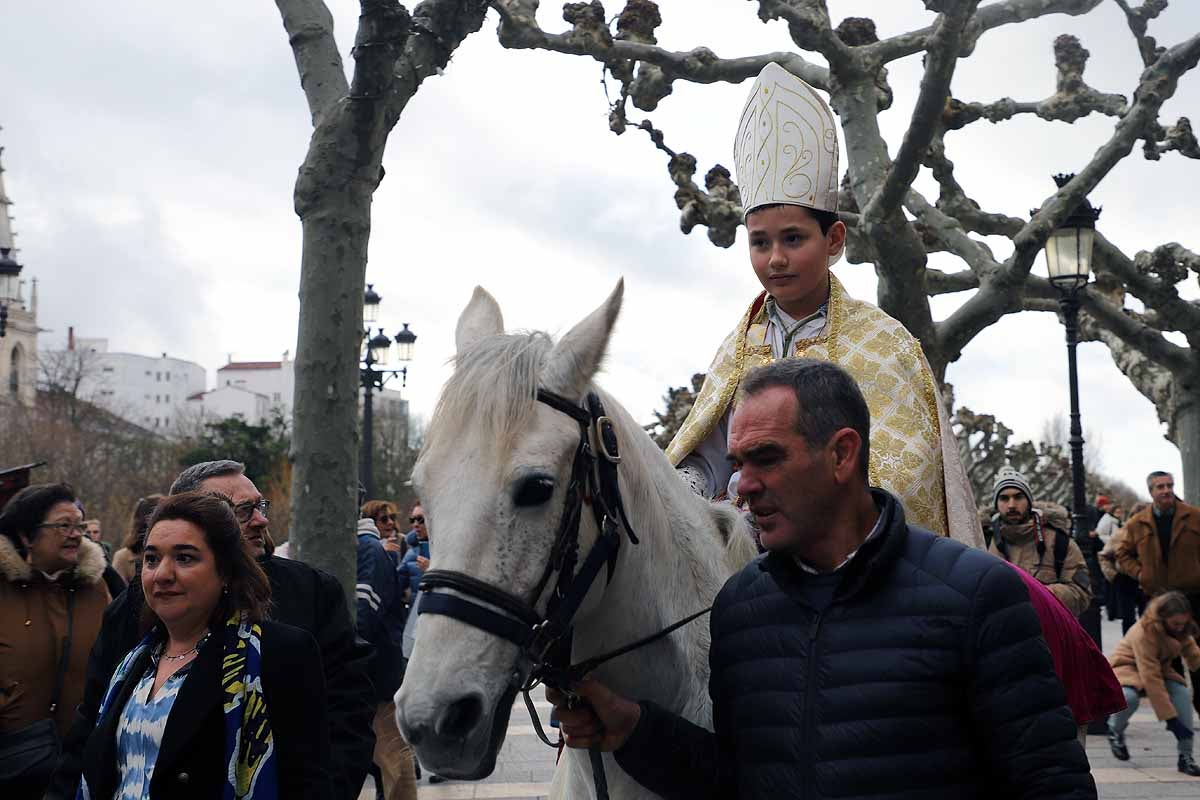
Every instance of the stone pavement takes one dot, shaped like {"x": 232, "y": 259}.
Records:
{"x": 525, "y": 765}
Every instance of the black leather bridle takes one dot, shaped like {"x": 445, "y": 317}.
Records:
{"x": 515, "y": 619}
{"x": 545, "y": 641}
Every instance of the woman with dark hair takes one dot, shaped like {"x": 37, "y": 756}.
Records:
{"x": 127, "y": 559}
{"x": 52, "y": 598}
{"x": 246, "y": 695}
{"x": 1144, "y": 663}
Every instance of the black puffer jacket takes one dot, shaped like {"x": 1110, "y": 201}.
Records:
{"x": 927, "y": 677}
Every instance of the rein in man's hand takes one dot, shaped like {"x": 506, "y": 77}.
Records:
{"x": 604, "y": 718}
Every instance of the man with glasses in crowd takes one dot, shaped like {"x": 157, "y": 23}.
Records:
{"x": 301, "y": 596}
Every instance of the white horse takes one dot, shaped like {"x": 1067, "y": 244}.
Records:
{"x": 492, "y": 480}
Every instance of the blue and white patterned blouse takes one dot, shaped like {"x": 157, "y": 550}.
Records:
{"x": 140, "y": 731}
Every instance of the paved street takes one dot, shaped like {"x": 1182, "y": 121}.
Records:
{"x": 525, "y": 765}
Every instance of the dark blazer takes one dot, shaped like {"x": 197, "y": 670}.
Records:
{"x": 301, "y": 596}
{"x": 192, "y": 754}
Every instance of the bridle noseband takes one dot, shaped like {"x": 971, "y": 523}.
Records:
{"x": 544, "y": 641}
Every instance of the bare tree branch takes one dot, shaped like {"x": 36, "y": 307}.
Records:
{"x": 940, "y": 61}
{"x": 1151, "y": 278}
{"x": 1157, "y": 85}
{"x": 1135, "y": 333}
{"x": 809, "y": 26}
{"x": 990, "y": 16}
{"x": 1139, "y": 18}
{"x": 519, "y": 30}
{"x": 309, "y": 27}
{"x": 1072, "y": 98}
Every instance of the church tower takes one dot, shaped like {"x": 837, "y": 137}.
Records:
{"x": 18, "y": 318}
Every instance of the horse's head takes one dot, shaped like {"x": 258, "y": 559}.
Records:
{"x": 492, "y": 479}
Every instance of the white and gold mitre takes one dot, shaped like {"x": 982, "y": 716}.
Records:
{"x": 786, "y": 150}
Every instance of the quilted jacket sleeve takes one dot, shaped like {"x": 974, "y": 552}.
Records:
{"x": 1016, "y": 700}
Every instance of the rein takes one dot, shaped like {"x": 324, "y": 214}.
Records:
{"x": 545, "y": 641}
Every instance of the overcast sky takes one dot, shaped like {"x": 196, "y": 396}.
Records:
{"x": 151, "y": 152}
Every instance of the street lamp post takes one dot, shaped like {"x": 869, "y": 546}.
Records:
{"x": 373, "y": 379}
{"x": 1069, "y": 262}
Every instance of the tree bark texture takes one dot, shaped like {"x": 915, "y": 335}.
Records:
{"x": 393, "y": 53}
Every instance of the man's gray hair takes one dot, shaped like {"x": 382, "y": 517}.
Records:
{"x": 827, "y": 400}
{"x": 190, "y": 479}
{"x": 1153, "y": 476}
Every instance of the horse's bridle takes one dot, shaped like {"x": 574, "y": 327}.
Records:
{"x": 544, "y": 641}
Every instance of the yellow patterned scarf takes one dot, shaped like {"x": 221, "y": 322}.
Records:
{"x": 249, "y": 743}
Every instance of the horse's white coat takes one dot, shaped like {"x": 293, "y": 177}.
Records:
{"x": 487, "y": 434}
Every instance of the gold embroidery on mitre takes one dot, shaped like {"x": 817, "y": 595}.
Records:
{"x": 884, "y": 359}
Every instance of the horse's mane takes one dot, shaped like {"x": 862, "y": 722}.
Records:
{"x": 494, "y": 386}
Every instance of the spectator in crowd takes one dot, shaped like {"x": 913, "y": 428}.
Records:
{"x": 128, "y": 559}
{"x": 215, "y": 700}
{"x": 1024, "y": 536}
{"x": 1109, "y": 522}
{"x": 416, "y": 559}
{"x": 1161, "y": 548}
{"x": 1143, "y": 664}
{"x": 387, "y": 522}
{"x": 416, "y": 518}
{"x": 811, "y": 641}
{"x": 1123, "y": 599}
{"x": 301, "y": 596}
{"x": 52, "y": 597}
{"x": 94, "y": 532}
{"x": 379, "y": 599}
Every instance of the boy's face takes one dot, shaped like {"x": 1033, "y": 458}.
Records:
{"x": 791, "y": 256}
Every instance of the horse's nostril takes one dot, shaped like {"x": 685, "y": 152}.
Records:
{"x": 460, "y": 718}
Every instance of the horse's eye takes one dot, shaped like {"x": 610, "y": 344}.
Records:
{"x": 533, "y": 491}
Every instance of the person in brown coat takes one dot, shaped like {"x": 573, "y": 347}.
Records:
{"x": 51, "y": 582}
{"x": 1028, "y": 539}
{"x": 1143, "y": 665}
{"x": 1162, "y": 543}
{"x": 1161, "y": 550}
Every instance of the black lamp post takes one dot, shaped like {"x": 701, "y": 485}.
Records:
{"x": 1069, "y": 261}
{"x": 373, "y": 379}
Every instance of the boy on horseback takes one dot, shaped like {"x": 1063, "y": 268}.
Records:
{"x": 786, "y": 157}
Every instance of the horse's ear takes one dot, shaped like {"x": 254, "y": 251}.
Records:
{"x": 577, "y": 356}
{"x": 479, "y": 320}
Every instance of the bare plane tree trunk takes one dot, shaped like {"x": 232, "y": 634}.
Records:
{"x": 394, "y": 52}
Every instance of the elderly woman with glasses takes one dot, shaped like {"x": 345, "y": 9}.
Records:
{"x": 52, "y": 599}
{"x": 215, "y": 701}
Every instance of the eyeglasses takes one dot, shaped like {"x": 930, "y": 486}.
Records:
{"x": 388, "y": 517}
{"x": 415, "y": 520}
{"x": 245, "y": 511}
{"x": 66, "y": 527}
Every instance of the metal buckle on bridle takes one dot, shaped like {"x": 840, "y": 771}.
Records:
{"x": 604, "y": 425}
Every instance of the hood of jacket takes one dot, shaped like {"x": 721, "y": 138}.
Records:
{"x": 89, "y": 568}
{"x": 367, "y": 525}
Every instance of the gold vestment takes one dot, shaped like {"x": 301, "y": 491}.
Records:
{"x": 913, "y": 451}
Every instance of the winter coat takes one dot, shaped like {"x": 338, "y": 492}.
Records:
{"x": 926, "y": 677}
{"x": 191, "y": 755}
{"x": 1108, "y": 556}
{"x": 1143, "y": 659}
{"x": 379, "y": 602}
{"x": 1140, "y": 556}
{"x": 1072, "y": 586}
{"x": 410, "y": 573}
{"x": 301, "y": 596}
{"x": 33, "y": 623}
{"x": 125, "y": 563}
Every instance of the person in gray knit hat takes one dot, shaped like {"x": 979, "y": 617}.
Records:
{"x": 1023, "y": 536}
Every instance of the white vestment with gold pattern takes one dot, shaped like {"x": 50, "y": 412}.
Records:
{"x": 913, "y": 455}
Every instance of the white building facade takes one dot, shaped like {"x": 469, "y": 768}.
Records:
{"x": 148, "y": 391}
{"x": 18, "y": 346}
